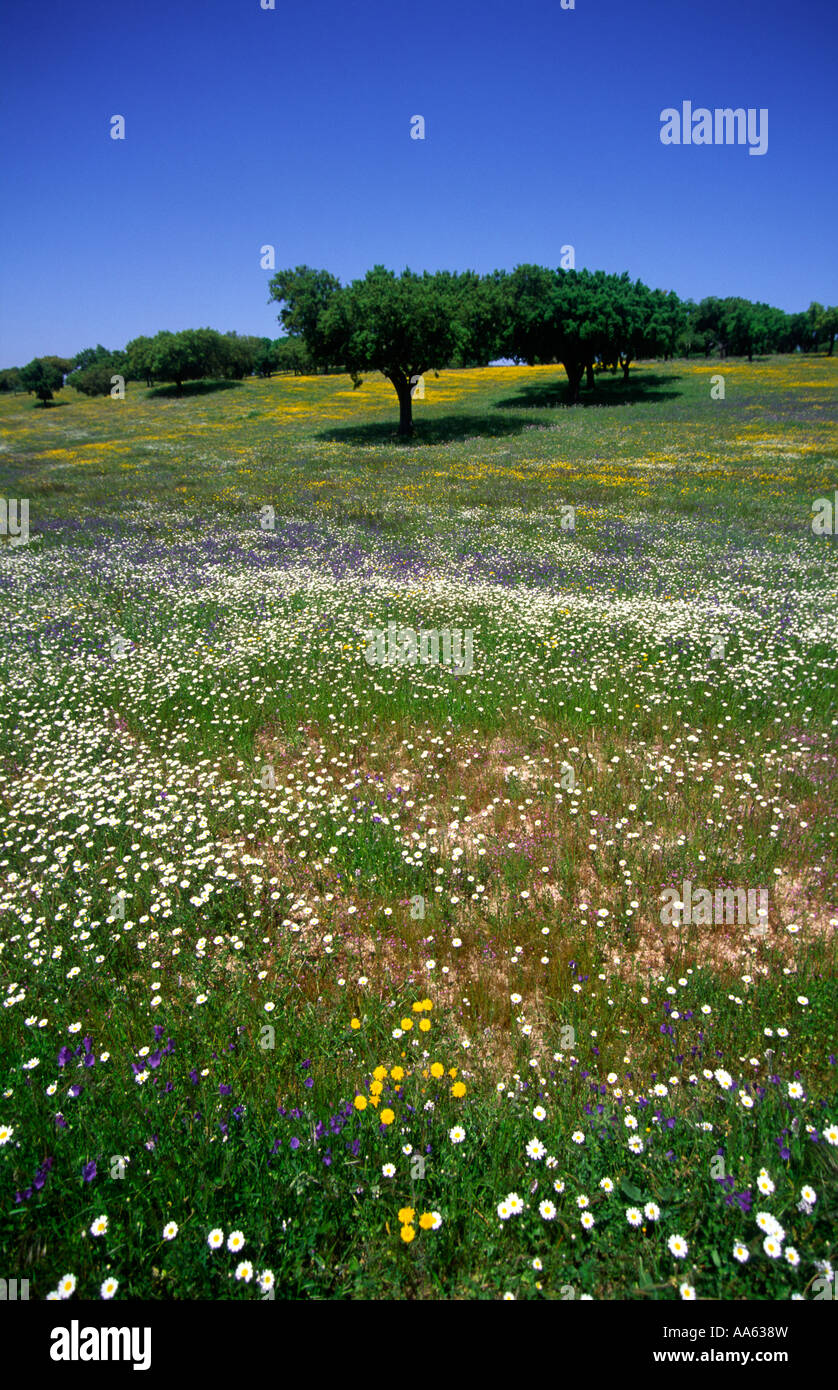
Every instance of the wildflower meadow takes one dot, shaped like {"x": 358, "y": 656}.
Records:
{"x": 330, "y": 975}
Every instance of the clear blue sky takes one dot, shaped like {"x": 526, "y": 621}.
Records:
{"x": 291, "y": 127}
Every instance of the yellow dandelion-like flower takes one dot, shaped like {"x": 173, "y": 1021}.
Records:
{"x": 452, "y": 1072}
{"x": 354, "y": 1023}
{"x": 406, "y": 1215}
{"x": 397, "y": 1073}
{"x": 407, "y": 1234}
{"x": 458, "y": 1089}
{"x": 426, "y": 1221}
{"x": 380, "y": 1073}
{"x": 387, "y": 1117}
{"x": 437, "y": 1069}
{"x": 424, "y": 1024}
{"x": 360, "y": 1102}
{"x": 407, "y": 1024}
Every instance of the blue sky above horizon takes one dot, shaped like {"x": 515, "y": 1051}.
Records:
{"x": 292, "y": 127}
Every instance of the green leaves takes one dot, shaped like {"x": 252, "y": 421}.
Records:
{"x": 44, "y": 375}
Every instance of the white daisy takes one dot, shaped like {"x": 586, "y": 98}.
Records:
{"x": 766, "y": 1222}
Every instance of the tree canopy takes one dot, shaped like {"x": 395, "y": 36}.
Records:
{"x": 44, "y": 376}
{"x": 406, "y": 325}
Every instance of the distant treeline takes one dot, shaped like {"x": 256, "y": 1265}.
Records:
{"x": 192, "y": 355}
{"x": 406, "y": 325}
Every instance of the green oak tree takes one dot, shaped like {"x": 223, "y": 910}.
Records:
{"x": 10, "y": 379}
{"x": 190, "y": 355}
{"x": 401, "y": 326}
{"x": 94, "y": 380}
{"x": 305, "y": 294}
{"x": 139, "y": 357}
{"x": 44, "y": 376}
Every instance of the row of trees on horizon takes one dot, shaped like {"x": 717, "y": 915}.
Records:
{"x": 404, "y": 326}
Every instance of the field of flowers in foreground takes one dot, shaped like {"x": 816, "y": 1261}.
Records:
{"x": 324, "y": 979}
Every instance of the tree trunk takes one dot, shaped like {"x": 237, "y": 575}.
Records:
{"x": 402, "y": 388}
{"x": 625, "y": 365}
{"x": 574, "y": 377}
{"x": 589, "y": 368}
